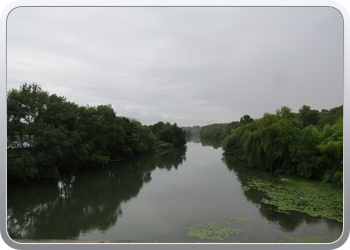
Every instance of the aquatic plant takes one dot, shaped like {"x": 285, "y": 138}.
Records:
{"x": 289, "y": 193}
{"x": 237, "y": 218}
{"x": 238, "y": 190}
{"x": 212, "y": 231}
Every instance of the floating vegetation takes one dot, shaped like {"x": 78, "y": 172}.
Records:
{"x": 297, "y": 194}
{"x": 238, "y": 190}
{"x": 237, "y": 218}
{"x": 214, "y": 231}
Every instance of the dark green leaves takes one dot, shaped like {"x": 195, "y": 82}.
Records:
{"x": 48, "y": 136}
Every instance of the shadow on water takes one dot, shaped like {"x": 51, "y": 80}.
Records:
{"x": 73, "y": 205}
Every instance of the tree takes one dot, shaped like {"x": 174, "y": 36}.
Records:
{"x": 49, "y": 136}
{"x": 179, "y": 136}
{"x": 214, "y": 131}
{"x": 25, "y": 121}
{"x": 245, "y": 120}
{"x": 331, "y": 148}
{"x": 148, "y": 140}
{"x": 309, "y": 116}
{"x": 331, "y": 117}
{"x": 24, "y": 110}
{"x": 280, "y": 142}
{"x": 156, "y": 128}
{"x": 103, "y": 135}
{"x": 232, "y": 144}
{"x": 305, "y": 153}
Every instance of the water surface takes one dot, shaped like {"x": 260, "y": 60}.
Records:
{"x": 155, "y": 198}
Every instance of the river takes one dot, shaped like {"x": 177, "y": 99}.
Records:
{"x": 156, "y": 198}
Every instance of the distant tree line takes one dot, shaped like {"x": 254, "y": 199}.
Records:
{"x": 308, "y": 143}
{"x": 48, "y": 136}
{"x": 192, "y": 132}
{"x": 219, "y": 131}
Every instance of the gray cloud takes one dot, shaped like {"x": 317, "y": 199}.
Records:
{"x": 186, "y": 65}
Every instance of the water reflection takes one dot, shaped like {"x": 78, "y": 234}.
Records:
{"x": 65, "y": 186}
{"x": 286, "y": 222}
{"x": 90, "y": 205}
{"x": 211, "y": 143}
{"x": 88, "y": 201}
{"x": 195, "y": 139}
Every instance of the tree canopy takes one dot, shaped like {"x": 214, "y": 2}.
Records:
{"x": 48, "y": 136}
{"x": 308, "y": 143}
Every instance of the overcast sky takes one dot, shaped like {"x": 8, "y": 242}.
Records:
{"x": 189, "y": 65}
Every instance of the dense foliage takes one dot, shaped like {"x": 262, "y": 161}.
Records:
{"x": 213, "y": 131}
{"x": 168, "y": 134}
{"x": 48, "y": 136}
{"x": 219, "y": 131}
{"x": 308, "y": 143}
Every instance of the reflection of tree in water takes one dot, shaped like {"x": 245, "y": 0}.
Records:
{"x": 89, "y": 201}
{"x": 332, "y": 225}
{"x": 211, "y": 142}
{"x": 287, "y": 222}
{"x": 65, "y": 186}
{"x": 169, "y": 159}
{"x": 195, "y": 139}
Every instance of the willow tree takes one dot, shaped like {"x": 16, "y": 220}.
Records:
{"x": 265, "y": 142}
{"x": 331, "y": 148}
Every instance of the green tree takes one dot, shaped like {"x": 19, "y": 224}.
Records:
{"x": 331, "y": 148}
{"x": 25, "y": 121}
{"x": 179, "y": 136}
{"x": 169, "y": 134}
{"x": 103, "y": 135}
{"x": 305, "y": 153}
{"x": 246, "y": 119}
{"x": 49, "y": 136}
{"x": 331, "y": 117}
{"x": 214, "y": 131}
{"x": 24, "y": 109}
{"x": 232, "y": 144}
{"x": 148, "y": 140}
{"x": 156, "y": 128}
{"x": 309, "y": 116}
{"x": 280, "y": 142}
